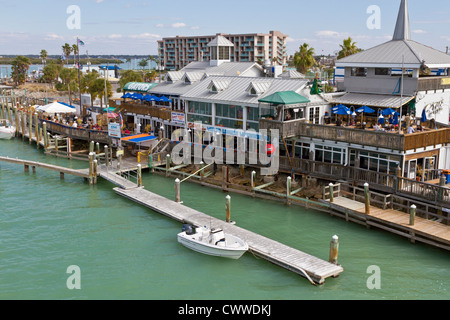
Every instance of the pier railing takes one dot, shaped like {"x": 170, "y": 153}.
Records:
{"x": 300, "y": 128}
{"x": 77, "y": 133}
{"x": 422, "y": 191}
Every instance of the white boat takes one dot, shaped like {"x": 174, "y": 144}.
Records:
{"x": 212, "y": 242}
{"x": 7, "y": 131}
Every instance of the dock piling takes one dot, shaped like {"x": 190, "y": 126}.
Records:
{"x": 288, "y": 189}
{"x": 367, "y": 198}
{"x": 331, "y": 192}
{"x": 228, "y": 208}
{"x": 139, "y": 175}
{"x": 334, "y": 249}
{"x": 412, "y": 214}
{"x": 177, "y": 191}
{"x": 106, "y": 156}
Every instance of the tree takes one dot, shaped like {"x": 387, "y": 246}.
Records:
{"x": 348, "y": 47}
{"x": 67, "y": 49}
{"x": 304, "y": 58}
{"x": 130, "y": 76}
{"x": 143, "y": 63}
{"x": 70, "y": 78}
{"x": 129, "y": 62}
{"x": 43, "y": 55}
{"x": 51, "y": 72}
{"x": 20, "y": 66}
{"x": 75, "y": 51}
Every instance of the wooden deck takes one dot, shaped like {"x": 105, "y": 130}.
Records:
{"x": 394, "y": 221}
{"x": 34, "y": 164}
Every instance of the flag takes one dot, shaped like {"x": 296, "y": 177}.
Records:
{"x": 121, "y": 119}
{"x": 80, "y": 43}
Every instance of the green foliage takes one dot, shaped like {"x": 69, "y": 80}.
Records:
{"x": 19, "y": 68}
{"x": 348, "y": 47}
{"x": 304, "y": 58}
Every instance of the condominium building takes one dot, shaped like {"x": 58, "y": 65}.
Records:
{"x": 177, "y": 52}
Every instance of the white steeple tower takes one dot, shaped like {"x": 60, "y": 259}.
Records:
{"x": 402, "y": 29}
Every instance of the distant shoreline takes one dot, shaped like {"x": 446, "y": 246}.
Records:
{"x": 38, "y": 61}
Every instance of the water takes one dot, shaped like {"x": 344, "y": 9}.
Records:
{"x": 125, "y": 251}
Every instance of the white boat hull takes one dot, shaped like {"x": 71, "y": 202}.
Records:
{"x": 7, "y": 133}
{"x": 232, "y": 247}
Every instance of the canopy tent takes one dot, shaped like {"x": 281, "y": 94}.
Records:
{"x": 142, "y": 87}
{"x": 140, "y": 139}
{"x": 284, "y": 98}
{"x": 56, "y": 107}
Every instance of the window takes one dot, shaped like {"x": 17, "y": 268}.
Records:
{"x": 229, "y": 116}
{"x": 383, "y": 71}
{"x": 330, "y": 154}
{"x": 359, "y": 72}
{"x": 213, "y": 53}
{"x": 199, "y": 112}
{"x": 224, "y": 53}
{"x": 375, "y": 161}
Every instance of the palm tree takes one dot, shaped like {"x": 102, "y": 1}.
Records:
{"x": 70, "y": 79}
{"x": 129, "y": 62}
{"x": 43, "y": 55}
{"x": 348, "y": 48}
{"x": 75, "y": 52}
{"x": 304, "y": 58}
{"x": 67, "y": 49}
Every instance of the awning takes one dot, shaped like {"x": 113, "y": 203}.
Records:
{"x": 139, "y": 86}
{"x": 139, "y": 138}
{"x": 372, "y": 100}
{"x": 285, "y": 98}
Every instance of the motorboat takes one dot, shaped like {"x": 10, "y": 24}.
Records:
{"x": 7, "y": 131}
{"x": 214, "y": 242}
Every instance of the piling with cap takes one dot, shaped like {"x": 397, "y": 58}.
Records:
{"x": 253, "y": 178}
{"x": 167, "y": 164}
{"x": 91, "y": 167}
{"x": 228, "y": 208}
{"x": 139, "y": 175}
{"x": 367, "y": 198}
{"x": 95, "y": 171}
{"x": 177, "y": 191}
{"x": 288, "y": 189}
{"x": 334, "y": 249}
{"x": 331, "y": 192}
{"x": 36, "y": 129}
{"x": 412, "y": 215}
{"x": 106, "y": 156}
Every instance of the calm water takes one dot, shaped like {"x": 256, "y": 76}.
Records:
{"x": 125, "y": 251}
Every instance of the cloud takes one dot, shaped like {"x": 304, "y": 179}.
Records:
{"x": 53, "y": 36}
{"x": 115, "y": 36}
{"x": 330, "y": 34}
{"x": 419, "y": 31}
{"x": 194, "y": 28}
{"x": 146, "y": 36}
{"x": 176, "y": 25}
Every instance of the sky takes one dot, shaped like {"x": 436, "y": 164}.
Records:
{"x": 133, "y": 27}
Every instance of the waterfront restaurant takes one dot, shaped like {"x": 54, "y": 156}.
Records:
{"x": 364, "y": 147}
{"x": 171, "y": 116}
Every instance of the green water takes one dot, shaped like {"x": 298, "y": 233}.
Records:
{"x": 125, "y": 251}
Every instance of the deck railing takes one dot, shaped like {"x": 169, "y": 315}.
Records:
{"x": 438, "y": 195}
{"x": 77, "y": 133}
{"x": 379, "y": 139}
{"x": 433, "y": 83}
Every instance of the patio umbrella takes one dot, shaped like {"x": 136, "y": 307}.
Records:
{"x": 424, "y": 116}
{"x": 112, "y": 115}
{"x": 337, "y": 107}
{"x": 126, "y": 95}
{"x": 364, "y": 109}
{"x": 395, "y": 120}
{"x": 137, "y": 96}
{"x": 381, "y": 119}
{"x": 388, "y": 112}
{"x": 343, "y": 110}
{"x": 56, "y": 107}
{"x": 165, "y": 99}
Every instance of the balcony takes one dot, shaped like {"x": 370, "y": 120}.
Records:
{"x": 153, "y": 111}
{"x": 433, "y": 83}
{"x": 370, "y": 137}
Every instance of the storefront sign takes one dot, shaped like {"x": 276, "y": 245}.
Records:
{"x": 178, "y": 118}
{"x": 114, "y": 130}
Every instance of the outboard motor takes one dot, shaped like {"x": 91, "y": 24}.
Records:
{"x": 188, "y": 229}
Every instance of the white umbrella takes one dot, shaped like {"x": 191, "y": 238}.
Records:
{"x": 56, "y": 107}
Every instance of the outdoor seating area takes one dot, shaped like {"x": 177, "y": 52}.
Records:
{"x": 386, "y": 120}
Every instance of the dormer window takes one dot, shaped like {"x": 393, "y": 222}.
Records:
{"x": 257, "y": 88}
{"x": 217, "y": 86}
{"x": 253, "y": 92}
{"x": 186, "y": 80}
{"x": 169, "y": 79}
{"x": 213, "y": 89}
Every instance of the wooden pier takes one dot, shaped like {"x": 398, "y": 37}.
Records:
{"x": 315, "y": 269}
{"x": 34, "y": 164}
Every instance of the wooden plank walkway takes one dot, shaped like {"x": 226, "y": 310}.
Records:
{"x": 423, "y": 230}
{"x": 75, "y": 172}
{"x": 292, "y": 259}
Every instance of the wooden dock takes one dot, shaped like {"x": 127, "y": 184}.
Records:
{"x": 427, "y": 231}
{"x": 315, "y": 269}
{"x": 34, "y": 164}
